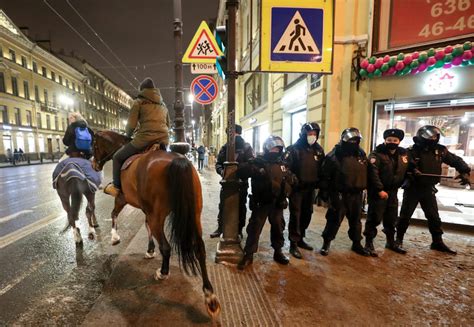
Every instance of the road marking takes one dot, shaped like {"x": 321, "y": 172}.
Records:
{"x": 13, "y": 216}
{"x": 27, "y": 230}
{"x": 16, "y": 281}
{"x": 46, "y": 203}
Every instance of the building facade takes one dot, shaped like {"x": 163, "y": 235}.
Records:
{"x": 37, "y": 91}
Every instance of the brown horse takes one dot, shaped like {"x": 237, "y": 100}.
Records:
{"x": 162, "y": 184}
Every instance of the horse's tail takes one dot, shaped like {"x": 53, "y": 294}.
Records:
{"x": 183, "y": 225}
{"x": 75, "y": 191}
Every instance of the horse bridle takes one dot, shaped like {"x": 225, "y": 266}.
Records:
{"x": 107, "y": 157}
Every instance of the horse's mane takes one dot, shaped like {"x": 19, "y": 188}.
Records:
{"x": 113, "y": 136}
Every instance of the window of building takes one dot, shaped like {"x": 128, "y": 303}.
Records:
{"x": 56, "y": 123}
{"x": 17, "y": 117}
{"x": 26, "y": 89}
{"x": 35, "y": 67}
{"x": 67, "y": 83}
{"x": 1, "y": 52}
{"x": 20, "y": 141}
{"x": 12, "y": 55}
{"x": 2, "y": 82}
{"x": 291, "y": 78}
{"x": 48, "y": 121}
{"x": 14, "y": 86}
{"x": 38, "y": 120}
{"x": 297, "y": 120}
{"x": 37, "y": 96}
{"x": 43, "y": 71}
{"x": 60, "y": 79}
{"x": 31, "y": 143}
{"x": 54, "y": 100}
{"x": 28, "y": 118}
{"x": 53, "y": 76}
{"x": 24, "y": 62}
{"x": 73, "y": 86}
{"x": 4, "y": 114}
{"x": 45, "y": 96}
{"x": 64, "y": 124}
{"x": 79, "y": 89}
{"x": 255, "y": 92}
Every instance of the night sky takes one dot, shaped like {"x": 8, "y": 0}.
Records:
{"x": 140, "y": 32}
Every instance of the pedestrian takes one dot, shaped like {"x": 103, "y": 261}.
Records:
{"x": 304, "y": 159}
{"x": 243, "y": 153}
{"x": 387, "y": 166}
{"x": 15, "y": 155}
{"x": 206, "y": 157}
{"x": 201, "y": 152}
{"x": 149, "y": 123}
{"x": 9, "y": 155}
{"x": 21, "y": 154}
{"x": 343, "y": 178}
{"x": 428, "y": 155}
{"x": 271, "y": 185}
{"x": 78, "y": 137}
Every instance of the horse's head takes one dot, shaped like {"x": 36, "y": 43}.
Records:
{"x": 106, "y": 143}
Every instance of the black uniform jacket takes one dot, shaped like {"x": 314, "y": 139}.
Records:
{"x": 386, "y": 171}
{"x": 243, "y": 153}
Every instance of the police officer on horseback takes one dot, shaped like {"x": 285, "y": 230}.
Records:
{"x": 148, "y": 122}
{"x": 271, "y": 185}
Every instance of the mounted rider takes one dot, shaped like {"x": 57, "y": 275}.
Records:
{"x": 78, "y": 137}
{"x": 149, "y": 122}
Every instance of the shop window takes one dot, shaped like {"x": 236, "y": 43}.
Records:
{"x": 4, "y": 114}
{"x": 41, "y": 143}
{"x": 14, "y": 86}
{"x": 24, "y": 62}
{"x": 20, "y": 141}
{"x": 26, "y": 89}
{"x": 28, "y": 118}
{"x": 2, "y": 82}
{"x": 12, "y": 55}
{"x": 37, "y": 96}
{"x": 35, "y": 67}
{"x": 17, "y": 117}
{"x": 38, "y": 120}
{"x": 31, "y": 144}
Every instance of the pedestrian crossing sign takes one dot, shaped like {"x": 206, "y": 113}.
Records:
{"x": 203, "y": 47}
{"x": 297, "y": 36}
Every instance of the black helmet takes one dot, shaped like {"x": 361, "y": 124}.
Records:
{"x": 429, "y": 132}
{"x": 350, "y": 133}
{"x": 273, "y": 141}
{"x": 308, "y": 127}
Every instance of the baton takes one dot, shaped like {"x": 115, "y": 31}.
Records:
{"x": 432, "y": 175}
{"x": 466, "y": 205}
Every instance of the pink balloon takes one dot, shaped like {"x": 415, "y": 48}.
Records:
{"x": 448, "y": 49}
{"x": 447, "y": 66}
{"x": 415, "y": 55}
{"x": 408, "y": 59}
{"x": 431, "y": 61}
{"x": 422, "y": 67}
{"x": 364, "y": 63}
{"x": 467, "y": 55}
{"x": 378, "y": 63}
{"x": 370, "y": 68}
{"x": 385, "y": 73}
{"x": 391, "y": 70}
{"x": 457, "y": 61}
{"x": 400, "y": 65}
{"x": 414, "y": 71}
{"x": 386, "y": 58}
{"x": 439, "y": 55}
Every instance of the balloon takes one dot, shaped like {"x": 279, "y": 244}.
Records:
{"x": 401, "y": 56}
{"x": 439, "y": 64}
{"x": 414, "y": 64}
{"x": 430, "y": 68}
{"x": 378, "y": 63}
{"x": 414, "y": 71}
{"x": 415, "y": 55}
{"x": 467, "y": 45}
{"x": 372, "y": 60}
{"x": 439, "y": 55}
{"x": 370, "y": 68}
{"x": 457, "y": 61}
{"x": 406, "y": 70}
{"x": 391, "y": 70}
{"x": 448, "y": 49}
{"x": 422, "y": 67}
{"x": 471, "y": 61}
{"x": 378, "y": 73}
{"x": 467, "y": 55}
{"x": 423, "y": 57}
{"x": 399, "y": 66}
{"x": 431, "y": 52}
{"x": 447, "y": 66}
{"x": 386, "y": 58}
{"x": 431, "y": 61}
{"x": 458, "y": 50}
{"x": 363, "y": 73}
{"x": 448, "y": 58}
{"x": 384, "y": 67}
{"x": 371, "y": 75}
{"x": 465, "y": 63}
{"x": 407, "y": 60}
{"x": 364, "y": 63}
{"x": 392, "y": 61}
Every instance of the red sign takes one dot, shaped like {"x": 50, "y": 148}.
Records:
{"x": 425, "y": 21}
{"x": 204, "y": 89}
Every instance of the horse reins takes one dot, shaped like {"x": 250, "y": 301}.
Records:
{"x": 107, "y": 157}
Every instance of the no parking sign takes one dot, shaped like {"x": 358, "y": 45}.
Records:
{"x": 204, "y": 89}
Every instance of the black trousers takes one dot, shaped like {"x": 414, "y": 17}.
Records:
{"x": 256, "y": 223}
{"x": 385, "y": 211}
{"x": 242, "y": 206}
{"x": 200, "y": 164}
{"x": 344, "y": 204}
{"x": 119, "y": 158}
{"x": 301, "y": 210}
{"x": 425, "y": 196}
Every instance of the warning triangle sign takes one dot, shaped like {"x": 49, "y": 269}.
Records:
{"x": 297, "y": 38}
{"x": 203, "y": 47}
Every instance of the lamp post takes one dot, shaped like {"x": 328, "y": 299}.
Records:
{"x": 192, "y": 132}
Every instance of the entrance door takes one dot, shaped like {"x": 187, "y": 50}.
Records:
{"x": 50, "y": 146}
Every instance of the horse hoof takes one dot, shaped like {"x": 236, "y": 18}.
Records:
{"x": 149, "y": 255}
{"x": 115, "y": 242}
{"x": 95, "y": 225}
{"x": 160, "y": 276}
{"x": 91, "y": 236}
{"x": 212, "y": 305}
{"x": 79, "y": 244}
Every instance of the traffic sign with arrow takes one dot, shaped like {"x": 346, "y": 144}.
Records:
{"x": 199, "y": 68}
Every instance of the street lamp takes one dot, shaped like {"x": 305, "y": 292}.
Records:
{"x": 190, "y": 98}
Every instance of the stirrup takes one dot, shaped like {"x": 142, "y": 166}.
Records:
{"x": 112, "y": 190}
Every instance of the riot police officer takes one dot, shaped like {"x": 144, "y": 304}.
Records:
{"x": 304, "y": 159}
{"x": 388, "y": 164}
{"x": 271, "y": 184}
{"x": 243, "y": 153}
{"x": 344, "y": 177}
{"x": 427, "y": 156}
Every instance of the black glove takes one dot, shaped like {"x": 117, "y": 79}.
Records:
{"x": 416, "y": 172}
{"x": 464, "y": 179}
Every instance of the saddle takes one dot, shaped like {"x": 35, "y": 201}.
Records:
{"x": 153, "y": 147}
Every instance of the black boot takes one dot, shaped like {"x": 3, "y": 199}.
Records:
{"x": 217, "y": 232}
{"x": 246, "y": 261}
{"x": 438, "y": 245}
{"x": 357, "y": 248}
{"x": 295, "y": 251}
{"x": 369, "y": 247}
{"x": 395, "y": 246}
{"x": 325, "y": 249}
{"x": 279, "y": 257}
{"x": 302, "y": 244}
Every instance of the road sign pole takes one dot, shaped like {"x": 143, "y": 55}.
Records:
{"x": 229, "y": 249}
{"x": 180, "y": 144}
